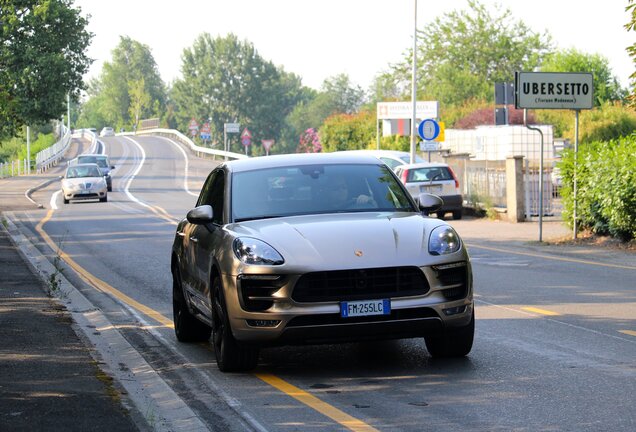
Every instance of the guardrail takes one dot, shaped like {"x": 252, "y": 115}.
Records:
{"x": 50, "y": 156}
{"x": 181, "y": 138}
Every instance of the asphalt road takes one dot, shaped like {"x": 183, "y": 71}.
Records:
{"x": 555, "y": 345}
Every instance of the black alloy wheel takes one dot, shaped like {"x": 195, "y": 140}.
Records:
{"x": 186, "y": 327}
{"x": 231, "y": 355}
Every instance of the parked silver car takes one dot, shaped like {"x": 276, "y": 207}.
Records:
{"x": 84, "y": 182}
{"x": 435, "y": 178}
{"x": 316, "y": 248}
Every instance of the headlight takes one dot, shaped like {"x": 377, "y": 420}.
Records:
{"x": 253, "y": 251}
{"x": 444, "y": 240}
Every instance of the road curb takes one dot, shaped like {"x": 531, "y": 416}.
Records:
{"x": 161, "y": 407}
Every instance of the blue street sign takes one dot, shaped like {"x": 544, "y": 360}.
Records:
{"x": 428, "y": 129}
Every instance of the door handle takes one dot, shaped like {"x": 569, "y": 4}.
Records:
{"x": 180, "y": 234}
{"x": 194, "y": 240}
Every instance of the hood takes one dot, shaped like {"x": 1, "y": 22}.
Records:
{"x": 341, "y": 241}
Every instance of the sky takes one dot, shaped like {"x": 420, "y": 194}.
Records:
{"x": 318, "y": 39}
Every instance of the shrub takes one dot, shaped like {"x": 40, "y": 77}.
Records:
{"x": 606, "y": 187}
{"x": 348, "y": 131}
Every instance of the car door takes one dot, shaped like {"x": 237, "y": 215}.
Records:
{"x": 204, "y": 239}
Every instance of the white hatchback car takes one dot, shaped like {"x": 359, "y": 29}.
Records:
{"x": 84, "y": 182}
{"x": 435, "y": 178}
{"x": 107, "y": 131}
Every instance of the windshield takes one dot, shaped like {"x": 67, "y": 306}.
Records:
{"x": 316, "y": 189}
{"x": 83, "y": 171}
{"x": 100, "y": 161}
{"x": 429, "y": 174}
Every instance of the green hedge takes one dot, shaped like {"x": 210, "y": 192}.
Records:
{"x": 606, "y": 187}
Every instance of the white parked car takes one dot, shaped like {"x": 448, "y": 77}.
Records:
{"x": 107, "y": 131}
{"x": 392, "y": 158}
{"x": 434, "y": 178}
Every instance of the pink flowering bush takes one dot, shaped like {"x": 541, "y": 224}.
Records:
{"x": 309, "y": 142}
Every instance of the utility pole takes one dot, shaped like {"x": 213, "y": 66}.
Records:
{"x": 414, "y": 88}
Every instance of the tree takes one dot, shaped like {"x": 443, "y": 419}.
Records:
{"x": 606, "y": 85}
{"x": 139, "y": 101}
{"x": 119, "y": 82}
{"x": 461, "y": 55}
{"x": 226, "y": 80}
{"x": 42, "y": 60}
{"x": 631, "y": 27}
{"x": 338, "y": 95}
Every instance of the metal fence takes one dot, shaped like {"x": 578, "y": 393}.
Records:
{"x": 13, "y": 168}
{"x": 50, "y": 156}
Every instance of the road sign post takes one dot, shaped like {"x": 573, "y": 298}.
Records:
{"x": 246, "y": 139}
{"x": 229, "y": 128}
{"x": 555, "y": 90}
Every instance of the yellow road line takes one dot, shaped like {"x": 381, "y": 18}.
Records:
{"x": 96, "y": 282}
{"x": 550, "y": 257}
{"x": 540, "y": 311}
{"x": 628, "y": 332}
{"x": 313, "y": 402}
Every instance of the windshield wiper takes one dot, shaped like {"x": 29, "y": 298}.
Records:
{"x": 246, "y": 219}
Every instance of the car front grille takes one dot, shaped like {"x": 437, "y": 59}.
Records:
{"x": 360, "y": 284}
{"x": 257, "y": 291}
{"x": 454, "y": 279}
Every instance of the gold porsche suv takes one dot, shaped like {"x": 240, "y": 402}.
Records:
{"x": 317, "y": 248}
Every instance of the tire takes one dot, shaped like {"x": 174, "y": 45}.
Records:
{"x": 453, "y": 343}
{"x": 105, "y": 199}
{"x": 231, "y": 355}
{"x": 186, "y": 327}
{"x": 109, "y": 188}
{"x": 440, "y": 215}
{"x": 457, "y": 215}
{"x": 66, "y": 201}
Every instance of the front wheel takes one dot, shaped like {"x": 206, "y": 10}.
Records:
{"x": 231, "y": 355}
{"x": 186, "y": 327}
{"x": 454, "y": 342}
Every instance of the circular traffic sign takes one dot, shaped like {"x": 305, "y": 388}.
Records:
{"x": 428, "y": 129}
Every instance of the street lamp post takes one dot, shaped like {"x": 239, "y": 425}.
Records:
{"x": 414, "y": 88}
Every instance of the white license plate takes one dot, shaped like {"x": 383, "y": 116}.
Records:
{"x": 364, "y": 308}
{"x": 431, "y": 189}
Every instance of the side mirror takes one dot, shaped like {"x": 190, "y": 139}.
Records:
{"x": 60, "y": 177}
{"x": 200, "y": 215}
{"x": 112, "y": 167}
{"x": 429, "y": 203}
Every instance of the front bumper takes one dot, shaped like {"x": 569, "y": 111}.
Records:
{"x": 287, "y": 322}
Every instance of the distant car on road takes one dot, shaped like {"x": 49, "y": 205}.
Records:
{"x": 435, "y": 178}
{"x": 84, "y": 182}
{"x": 393, "y": 158}
{"x": 317, "y": 248}
{"x": 107, "y": 131}
{"x": 101, "y": 161}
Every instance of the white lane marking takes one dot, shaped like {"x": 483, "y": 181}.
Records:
{"x": 596, "y": 332}
{"x": 187, "y": 164}
{"x": 53, "y": 202}
{"x": 134, "y": 174}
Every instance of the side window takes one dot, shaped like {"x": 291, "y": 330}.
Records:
{"x": 213, "y": 194}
